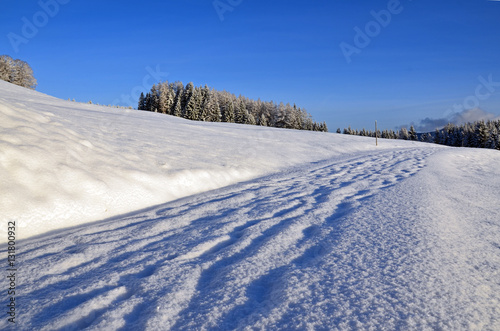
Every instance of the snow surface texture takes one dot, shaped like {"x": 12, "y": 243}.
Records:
{"x": 403, "y": 238}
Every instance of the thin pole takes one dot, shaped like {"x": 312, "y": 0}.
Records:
{"x": 376, "y": 134}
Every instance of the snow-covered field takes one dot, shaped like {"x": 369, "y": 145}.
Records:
{"x": 158, "y": 223}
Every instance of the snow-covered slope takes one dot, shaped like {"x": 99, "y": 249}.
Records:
{"x": 320, "y": 232}
{"x": 64, "y": 163}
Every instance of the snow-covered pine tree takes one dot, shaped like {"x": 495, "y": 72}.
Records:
{"x": 240, "y": 111}
{"x": 403, "y": 134}
{"x": 205, "y": 104}
{"x": 262, "y": 120}
{"x": 213, "y": 108}
{"x": 437, "y": 137}
{"x": 186, "y": 96}
{"x": 447, "y": 135}
{"x": 155, "y": 100}
{"x": 192, "y": 110}
{"x": 307, "y": 122}
{"x": 171, "y": 99}
{"x": 468, "y": 135}
{"x": 493, "y": 136}
{"x": 162, "y": 98}
{"x": 413, "y": 133}
{"x": 278, "y": 116}
{"x": 482, "y": 134}
{"x": 252, "y": 109}
{"x": 228, "y": 114}
{"x": 298, "y": 117}
{"x": 266, "y": 110}
{"x": 290, "y": 119}
{"x": 165, "y": 100}
{"x": 458, "y": 136}
{"x": 251, "y": 120}
{"x": 179, "y": 92}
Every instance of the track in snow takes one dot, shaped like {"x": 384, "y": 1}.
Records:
{"x": 245, "y": 255}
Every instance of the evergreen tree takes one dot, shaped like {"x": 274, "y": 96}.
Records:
{"x": 228, "y": 114}
{"x": 186, "y": 96}
{"x": 212, "y": 108}
{"x": 171, "y": 98}
{"x": 155, "y": 100}
{"x": 179, "y": 92}
{"x": 192, "y": 110}
{"x": 147, "y": 102}
{"x": 437, "y": 137}
{"x": 216, "y": 114}
{"x": 482, "y": 134}
{"x": 142, "y": 102}
{"x": 166, "y": 98}
{"x": 307, "y": 122}
{"x": 205, "y": 104}
{"x": 413, "y": 133}
{"x": 250, "y": 120}
{"x": 403, "y": 134}
{"x": 278, "y": 116}
{"x": 289, "y": 118}
{"x": 493, "y": 138}
{"x": 468, "y": 140}
{"x": 262, "y": 120}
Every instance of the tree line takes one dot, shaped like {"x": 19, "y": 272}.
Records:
{"x": 207, "y": 104}
{"x": 17, "y": 72}
{"x": 479, "y": 134}
{"x": 403, "y": 133}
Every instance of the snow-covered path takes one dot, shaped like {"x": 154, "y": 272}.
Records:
{"x": 354, "y": 242}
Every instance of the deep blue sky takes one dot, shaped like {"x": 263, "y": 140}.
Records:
{"x": 425, "y": 61}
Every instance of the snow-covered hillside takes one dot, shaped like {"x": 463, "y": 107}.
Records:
{"x": 241, "y": 227}
{"x": 65, "y": 163}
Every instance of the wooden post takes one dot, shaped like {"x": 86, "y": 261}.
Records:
{"x": 376, "y": 134}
